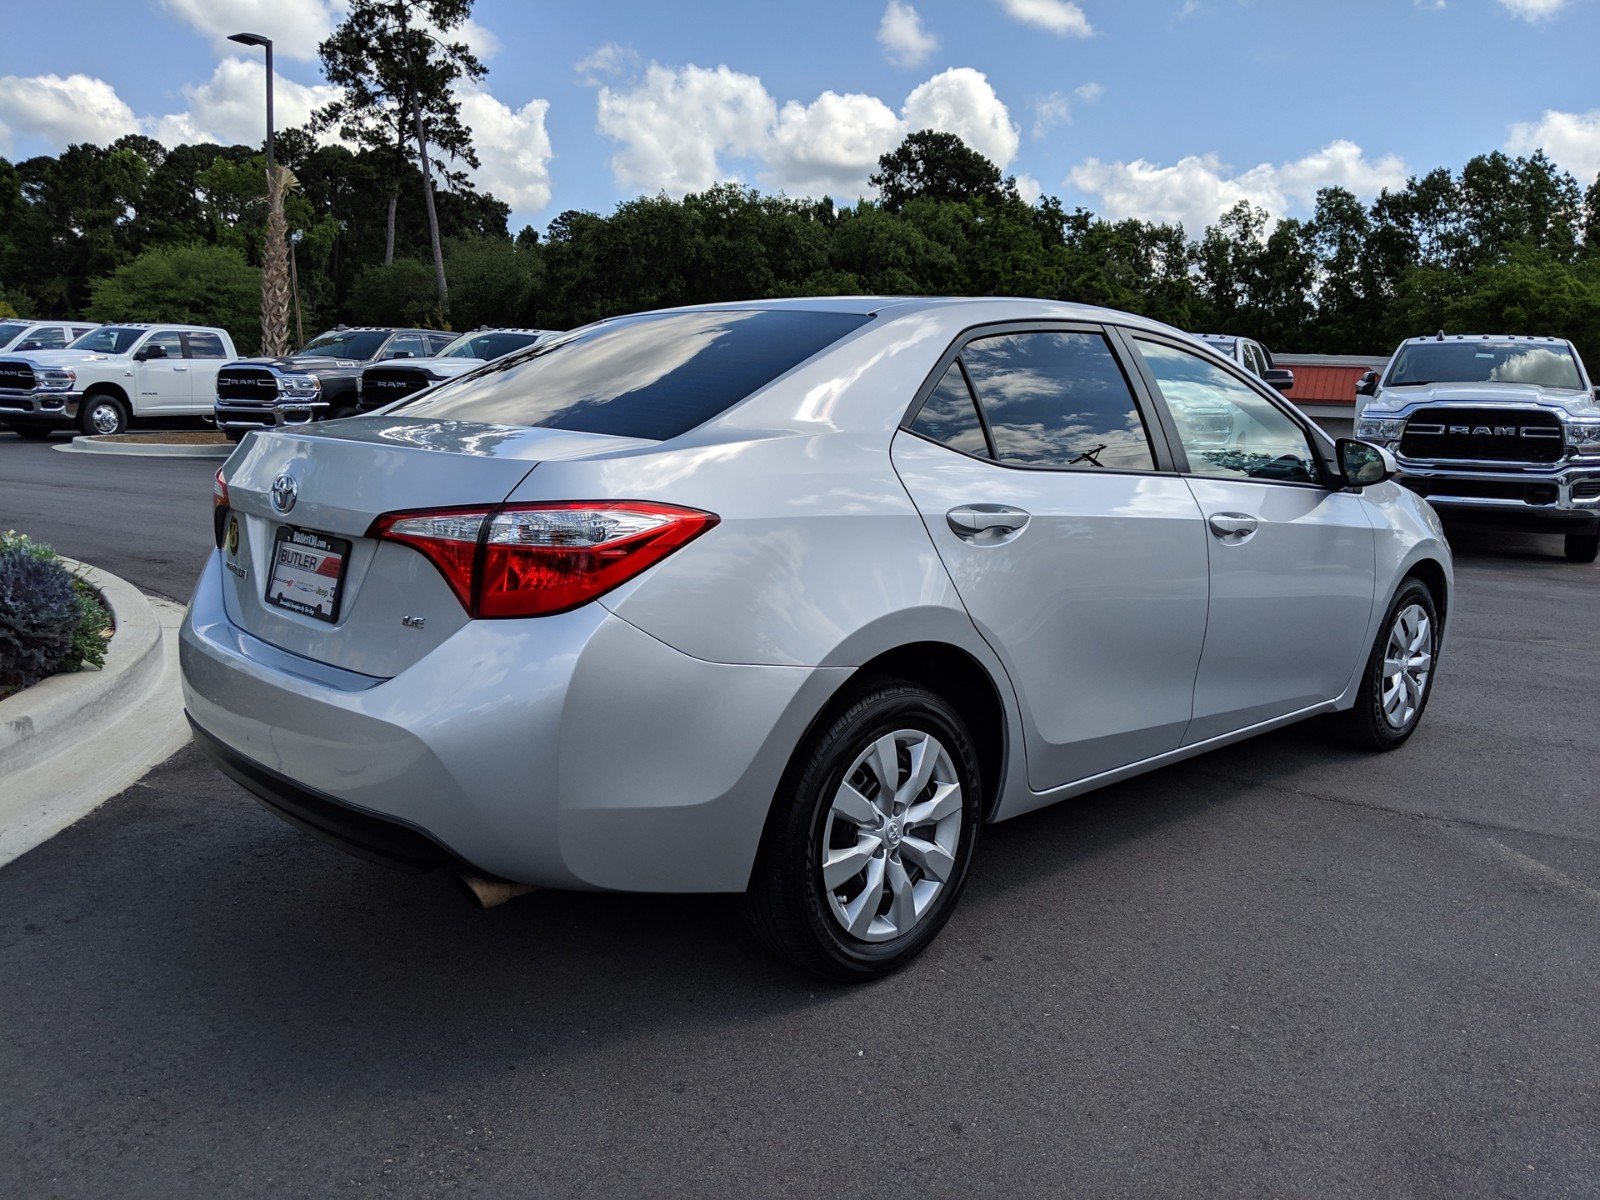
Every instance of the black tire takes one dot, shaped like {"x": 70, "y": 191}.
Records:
{"x": 113, "y": 411}
{"x": 787, "y": 905}
{"x": 233, "y": 435}
{"x": 1583, "y": 547}
{"x": 1366, "y": 724}
{"x": 32, "y": 433}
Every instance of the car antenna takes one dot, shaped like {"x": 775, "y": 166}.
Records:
{"x": 1441, "y": 335}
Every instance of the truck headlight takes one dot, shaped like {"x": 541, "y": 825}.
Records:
{"x": 299, "y": 387}
{"x": 56, "y": 379}
{"x": 1584, "y": 436}
{"x": 1380, "y": 429}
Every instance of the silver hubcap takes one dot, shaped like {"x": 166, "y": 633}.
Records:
{"x": 889, "y": 842}
{"x": 104, "y": 418}
{"x": 1407, "y": 663}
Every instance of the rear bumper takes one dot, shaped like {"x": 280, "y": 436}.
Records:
{"x": 572, "y": 751}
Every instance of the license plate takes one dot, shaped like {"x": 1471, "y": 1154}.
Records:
{"x": 307, "y": 572}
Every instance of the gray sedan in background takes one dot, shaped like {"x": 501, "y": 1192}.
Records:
{"x": 790, "y": 598}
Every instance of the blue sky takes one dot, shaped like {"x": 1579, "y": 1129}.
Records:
{"x": 1159, "y": 108}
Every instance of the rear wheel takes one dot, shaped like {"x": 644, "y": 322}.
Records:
{"x": 1399, "y": 675}
{"x": 867, "y": 847}
{"x": 101, "y": 414}
{"x": 1583, "y": 547}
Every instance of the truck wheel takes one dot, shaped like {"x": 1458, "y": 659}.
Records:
{"x": 102, "y": 414}
{"x": 1583, "y": 547}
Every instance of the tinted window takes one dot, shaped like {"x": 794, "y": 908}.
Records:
{"x": 1226, "y": 427}
{"x": 949, "y": 417}
{"x": 206, "y": 345}
{"x": 108, "y": 339}
{"x": 646, "y": 377}
{"x": 8, "y": 333}
{"x": 1057, "y": 400}
{"x": 359, "y": 344}
{"x": 169, "y": 340}
{"x": 409, "y": 344}
{"x": 1484, "y": 362}
{"x": 488, "y": 345}
{"x": 46, "y": 337}
{"x": 437, "y": 341}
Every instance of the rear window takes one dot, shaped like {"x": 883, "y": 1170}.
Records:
{"x": 649, "y": 377}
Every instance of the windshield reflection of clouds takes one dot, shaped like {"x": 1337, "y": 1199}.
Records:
{"x": 1484, "y": 362}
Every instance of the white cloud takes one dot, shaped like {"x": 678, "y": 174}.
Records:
{"x": 1198, "y": 189}
{"x": 295, "y": 26}
{"x": 1066, "y": 19}
{"x": 961, "y": 101}
{"x": 905, "y": 42}
{"x": 1534, "y": 10}
{"x": 830, "y": 146}
{"x": 230, "y": 107}
{"x": 607, "y": 59}
{"x": 679, "y": 128}
{"x": 1029, "y": 188}
{"x": 60, "y": 111}
{"x": 675, "y": 123}
{"x": 1572, "y": 140}
{"x": 1050, "y": 111}
{"x": 1089, "y": 93}
{"x": 513, "y": 147}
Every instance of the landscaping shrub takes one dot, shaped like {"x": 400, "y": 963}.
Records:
{"x": 49, "y": 621}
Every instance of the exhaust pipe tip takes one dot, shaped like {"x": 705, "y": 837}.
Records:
{"x": 487, "y": 891}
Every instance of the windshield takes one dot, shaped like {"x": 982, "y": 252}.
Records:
{"x": 652, "y": 376}
{"x": 488, "y": 345}
{"x": 109, "y": 339}
{"x": 359, "y": 344}
{"x": 8, "y": 334}
{"x": 1484, "y": 362}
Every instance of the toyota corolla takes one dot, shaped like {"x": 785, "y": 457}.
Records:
{"x": 790, "y": 599}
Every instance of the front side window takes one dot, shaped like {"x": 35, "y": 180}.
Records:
{"x": 169, "y": 340}
{"x": 405, "y": 345}
{"x": 1484, "y": 362}
{"x": 9, "y": 332}
{"x": 109, "y": 339}
{"x": 1226, "y": 428}
{"x": 651, "y": 376}
{"x": 949, "y": 416}
{"x": 46, "y": 337}
{"x": 1057, "y": 399}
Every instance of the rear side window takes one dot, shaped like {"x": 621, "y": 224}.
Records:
{"x": 649, "y": 377}
{"x": 1057, "y": 399}
{"x": 948, "y": 416}
{"x": 206, "y": 345}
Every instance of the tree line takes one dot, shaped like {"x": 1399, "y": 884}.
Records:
{"x": 138, "y": 231}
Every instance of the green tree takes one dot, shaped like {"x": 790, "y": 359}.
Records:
{"x": 938, "y": 166}
{"x": 400, "y": 293}
{"x": 195, "y": 284}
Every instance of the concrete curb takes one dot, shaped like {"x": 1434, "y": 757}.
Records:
{"x": 152, "y": 449}
{"x": 73, "y": 741}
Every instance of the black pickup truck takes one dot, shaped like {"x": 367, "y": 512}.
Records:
{"x": 317, "y": 382}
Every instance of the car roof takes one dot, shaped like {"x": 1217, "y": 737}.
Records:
{"x": 152, "y": 325}
{"x": 1435, "y": 338}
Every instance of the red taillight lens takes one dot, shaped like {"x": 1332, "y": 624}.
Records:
{"x": 219, "y": 504}
{"x": 532, "y": 560}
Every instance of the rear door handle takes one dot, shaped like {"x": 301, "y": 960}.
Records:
{"x": 970, "y": 521}
{"x": 1233, "y": 528}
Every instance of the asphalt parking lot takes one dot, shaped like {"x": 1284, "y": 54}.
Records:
{"x": 1284, "y": 969}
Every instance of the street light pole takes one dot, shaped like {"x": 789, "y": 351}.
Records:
{"x": 275, "y": 251}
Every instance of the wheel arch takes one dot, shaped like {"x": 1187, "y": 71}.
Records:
{"x": 1431, "y": 574}
{"x": 106, "y": 388}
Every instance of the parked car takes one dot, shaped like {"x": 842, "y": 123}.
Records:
{"x": 789, "y": 598}
{"x": 112, "y": 375}
{"x": 1252, "y": 356}
{"x": 1494, "y": 427}
{"x": 319, "y": 381}
{"x": 19, "y": 335}
{"x": 387, "y": 382}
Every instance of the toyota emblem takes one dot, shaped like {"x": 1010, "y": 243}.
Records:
{"x": 285, "y": 491}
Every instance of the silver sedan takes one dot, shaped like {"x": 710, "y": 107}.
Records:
{"x": 789, "y": 599}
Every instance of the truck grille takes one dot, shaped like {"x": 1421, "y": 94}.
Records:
{"x": 385, "y": 385}
{"x": 1483, "y": 435}
{"x": 16, "y": 376}
{"x": 247, "y": 385}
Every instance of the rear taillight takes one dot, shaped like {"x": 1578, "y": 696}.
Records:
{"x": 219, "y": 505}
{"x": 532, "y": 560}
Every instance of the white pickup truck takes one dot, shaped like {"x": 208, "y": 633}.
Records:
{"x": 110, "y": 376}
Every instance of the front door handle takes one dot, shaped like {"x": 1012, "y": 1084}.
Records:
{"x": 180, "y": 368}
{"x": 972, "y": 521}
{"x": 1233, "y": 528}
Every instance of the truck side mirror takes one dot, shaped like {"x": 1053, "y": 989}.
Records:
{"x": 145, "y": 353}
{"x": 1278, "y": 377}
{"x": 1368, "y": 386}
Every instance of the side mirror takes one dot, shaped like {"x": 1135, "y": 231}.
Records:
{"x": 1278, "y": 377}
{"x": 1368, "y": 386}
{"x": 30, "y": 346}
{"x": 146, "y": 353}
{"x": 403, "y": 354}
{"x": 1364, "y": 464}
{"x": 1597, "y": 392}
